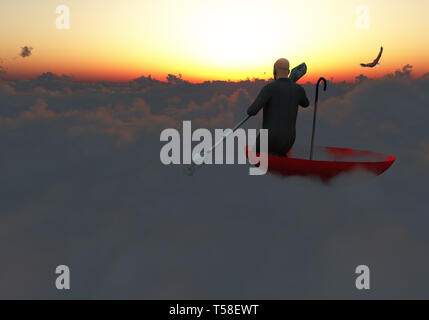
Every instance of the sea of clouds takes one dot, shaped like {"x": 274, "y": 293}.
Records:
{"x": 82, "y": 184}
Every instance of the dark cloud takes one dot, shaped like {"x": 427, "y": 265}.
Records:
{"x": 26, "y": 51}
{"x": 83, "y": 185}
{"x": 406, "y": 71}
{"x": 3, "y": 69}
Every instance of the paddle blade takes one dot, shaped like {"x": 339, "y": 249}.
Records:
{"x": 298, "y": 72}
{"x": 190, "y": 169}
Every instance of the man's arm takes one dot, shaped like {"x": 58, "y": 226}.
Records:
{"x": 260, "y": 101}
{"x": 303, "y": 100}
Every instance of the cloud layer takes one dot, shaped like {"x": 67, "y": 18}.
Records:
{"x": 83, "y": 186}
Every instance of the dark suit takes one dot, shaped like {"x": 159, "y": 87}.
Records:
{"x": 280, "y": 100}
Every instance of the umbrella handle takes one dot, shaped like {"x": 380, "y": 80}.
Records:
{"x": 315, "y": 112}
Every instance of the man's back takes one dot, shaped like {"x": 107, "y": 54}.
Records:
{"x": 280, "y": 100}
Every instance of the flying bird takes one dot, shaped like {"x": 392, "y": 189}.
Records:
{"x": 375, "y": 62}
{"x": 26, "y": 51}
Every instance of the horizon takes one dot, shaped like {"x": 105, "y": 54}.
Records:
{"x": 164, "y": 79}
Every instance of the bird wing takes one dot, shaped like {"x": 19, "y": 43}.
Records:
{"x": 379, "y": 56}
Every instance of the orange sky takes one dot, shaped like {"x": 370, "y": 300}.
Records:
{"x": 208, "y": 40}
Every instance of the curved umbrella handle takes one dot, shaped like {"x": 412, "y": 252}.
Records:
{"x": 315, "y": 112}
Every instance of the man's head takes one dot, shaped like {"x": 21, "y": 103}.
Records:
{"x": 281, "y": 69}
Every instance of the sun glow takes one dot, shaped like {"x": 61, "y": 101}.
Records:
{"x": 240, "y": 36}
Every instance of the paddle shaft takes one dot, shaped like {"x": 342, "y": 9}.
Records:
{"x": 315, "y": 113}
{"x": 192, "y": 167}
{"x": 238, "y": 125}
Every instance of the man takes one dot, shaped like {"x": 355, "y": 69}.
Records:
{"x": 280, "y": 100}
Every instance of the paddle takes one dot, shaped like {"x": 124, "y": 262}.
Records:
{"x": 198, "y": 159}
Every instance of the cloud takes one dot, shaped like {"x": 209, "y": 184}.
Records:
{"x": 3, "y": 70}
{"x": 26, "y": 51}
{"x": 83, "y": 185}
{"x": 406, "y": 71}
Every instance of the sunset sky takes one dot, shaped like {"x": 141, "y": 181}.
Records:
{"x": 207, "y": 40}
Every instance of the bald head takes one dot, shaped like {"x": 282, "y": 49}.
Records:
{"x": 281, "y": 68}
